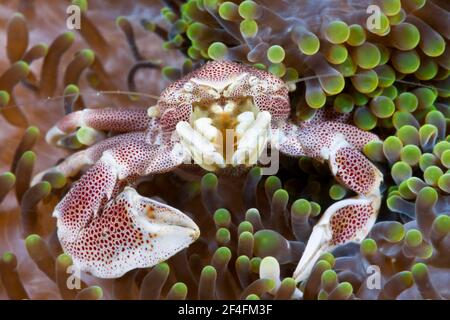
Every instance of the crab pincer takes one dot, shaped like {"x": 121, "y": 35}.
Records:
{"x": 109, "y": 231}
{"x": 350, "y": 219}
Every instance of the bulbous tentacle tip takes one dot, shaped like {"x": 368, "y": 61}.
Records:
{"x": 349, "y": 220}
{"x": 132, "y": 232}
{"x": 64, "y": 127}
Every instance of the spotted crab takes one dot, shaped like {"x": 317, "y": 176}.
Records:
{"x": 108, "y": 228}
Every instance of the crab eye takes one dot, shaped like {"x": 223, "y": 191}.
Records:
{"x": 253, "y": 80}
{"x": 188, "y": 87}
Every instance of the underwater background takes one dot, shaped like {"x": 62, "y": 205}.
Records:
{"x": 392, "y": 80}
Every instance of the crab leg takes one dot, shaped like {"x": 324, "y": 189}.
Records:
{"x": 346, "y": 220}
{"x": 72, "y": 165}
{"x": 108, "y": 234}
{"x": 75, "y": 162}
{"x": 108, "y": 119}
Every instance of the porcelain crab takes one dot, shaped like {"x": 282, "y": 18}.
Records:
{"x": 222, "y": 115}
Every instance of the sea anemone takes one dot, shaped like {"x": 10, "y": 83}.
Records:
{"x": 387, "y": 73}
{"x": 342, "y": 59}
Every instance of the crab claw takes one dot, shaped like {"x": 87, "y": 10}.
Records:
{"x": 108, "y": 229}
{"x": 345, "y": 221}
{"x": 132, "y": 232}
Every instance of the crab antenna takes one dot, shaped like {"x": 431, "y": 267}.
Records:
{"x": 411, "y": 83}
{"x": 119, "y": 92}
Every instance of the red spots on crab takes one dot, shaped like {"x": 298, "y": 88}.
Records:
{"x": 135, "y": 155}
{"x": 110, "y": 119}
{"x": 111, "y": 240}
{"x": 277, "y": 106}
{"x": 286, "y": 136}
{"x": 354, "y": 170}
{"x": 130, "y": 232}
{"x": 315, "y": 137}
{"x": 348, "y": 221}
{"x": 291, "y": 147}
{"x": 223, "y": 71}
{"x": 172, "y": 116}
{"x": 353, "y": 135}
{"x": 118, "y": 119}
{"x": 86, "y": 197}
{"x": 269, "y": 92}
{"x": 218, "y": 71}
{"x": 99, "y": 225}
{"x": 214, "y": 71}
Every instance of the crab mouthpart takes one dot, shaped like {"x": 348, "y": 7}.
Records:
{"x": 228, "y": 133}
